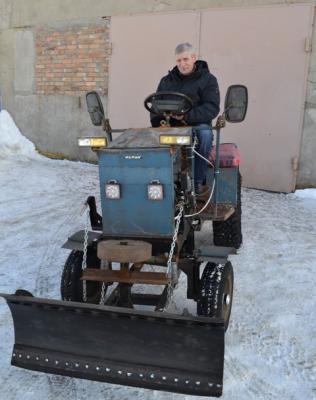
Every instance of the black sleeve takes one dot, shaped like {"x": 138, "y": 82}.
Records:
{"x": 155, "y": 119}
{"x": 208, "y": 108}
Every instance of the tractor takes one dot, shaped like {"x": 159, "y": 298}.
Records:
{"x": 144, "y": 237}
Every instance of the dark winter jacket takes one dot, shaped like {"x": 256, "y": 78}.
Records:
{"x": 201, "y": 86}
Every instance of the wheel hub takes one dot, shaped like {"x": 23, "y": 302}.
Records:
{"x": 227, "y": 299}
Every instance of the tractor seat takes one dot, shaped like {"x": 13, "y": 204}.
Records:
{"x": 229, "y": 155}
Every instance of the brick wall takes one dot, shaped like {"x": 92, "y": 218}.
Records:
{"x": 72, "y": 61}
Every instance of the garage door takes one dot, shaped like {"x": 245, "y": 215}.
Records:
{"x": 265, "y": 48}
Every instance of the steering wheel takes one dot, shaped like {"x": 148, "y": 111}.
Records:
{"x": 158, "y": 103}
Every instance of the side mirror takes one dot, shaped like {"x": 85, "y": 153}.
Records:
{"x": 236, "y": 103}
{"x": 95, "y": 108}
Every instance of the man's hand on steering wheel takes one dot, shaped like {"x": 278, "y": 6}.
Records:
{"x": 177, "y": 116}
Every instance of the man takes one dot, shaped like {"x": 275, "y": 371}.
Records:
{"x": 193, "y": 78}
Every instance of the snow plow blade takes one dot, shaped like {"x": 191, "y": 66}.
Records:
{"x": 118, "y": 345}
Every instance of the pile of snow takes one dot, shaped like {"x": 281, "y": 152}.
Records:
{"x": 305, "y": 193}
{"x": 12, "y": 142}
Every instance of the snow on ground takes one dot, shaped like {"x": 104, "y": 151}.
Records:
{"x": 271, "y": 342}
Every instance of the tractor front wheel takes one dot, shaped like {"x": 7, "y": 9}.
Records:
{"x": 71, "y": 286}
{"x": 216, "y": 292}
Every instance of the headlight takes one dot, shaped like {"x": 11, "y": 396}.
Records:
{"x": 112, "y": 190}
{"x": 175, "y": 139}
{"x": 92, "y": 142}
{"x": 155, "y": 191}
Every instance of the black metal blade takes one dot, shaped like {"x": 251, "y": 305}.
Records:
{"x": 144, "y": 349}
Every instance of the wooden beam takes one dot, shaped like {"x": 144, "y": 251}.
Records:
{"x": 125, "y": 276}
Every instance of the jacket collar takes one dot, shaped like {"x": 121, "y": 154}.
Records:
{"x": 200, "y": 67}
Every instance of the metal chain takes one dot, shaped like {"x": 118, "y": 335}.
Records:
{"x": 102, "y": 297}
{"x": 103, "y": 287}
{"x": 170, "y": 264}
{"x": 85, "y": 251}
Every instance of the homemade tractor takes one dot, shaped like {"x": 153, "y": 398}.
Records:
{"x": 103, "y": 328}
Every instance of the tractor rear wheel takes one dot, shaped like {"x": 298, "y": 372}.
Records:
{"x": 71, "y": 286}
{"x": 228, "y": 233}
{"x": 216, "y": 292}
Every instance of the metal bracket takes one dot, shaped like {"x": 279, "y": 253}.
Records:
{"x": 192, "y": 270}
{"x": 75, "y": 242}
{"x": 95, "y": 217}
{"x": 216, "y": 254}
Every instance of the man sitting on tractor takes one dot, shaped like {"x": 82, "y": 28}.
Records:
{"x": 193, "y": 78}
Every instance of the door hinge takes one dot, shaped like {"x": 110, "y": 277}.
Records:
{"x": 295, "y": 164}
{"x": 110, "y": 49}
{"x": 308, "y": 44}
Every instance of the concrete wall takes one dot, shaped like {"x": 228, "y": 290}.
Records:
{"x": 53, "y": 122}
{"x": 307, "y": 164}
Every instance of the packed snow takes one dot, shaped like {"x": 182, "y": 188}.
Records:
{"x": 12, "y": 143}
{"x": 305, "y": 194}
{"x": 271, "y": 342}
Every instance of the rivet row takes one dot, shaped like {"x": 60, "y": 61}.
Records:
{"x": 120, "y": 372}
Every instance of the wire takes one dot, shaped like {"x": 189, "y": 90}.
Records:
{"x": 206, "y": 204}
{"x": 213, "y": 186}
{"x": 203, "y": 158}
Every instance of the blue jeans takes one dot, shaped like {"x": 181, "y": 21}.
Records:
{"x": 205, "y": 138}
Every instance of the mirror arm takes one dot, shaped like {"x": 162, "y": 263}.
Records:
{"x": 216, "y": 167}
{"x": 107, "y": 127}
{"x": 221, "y": 121}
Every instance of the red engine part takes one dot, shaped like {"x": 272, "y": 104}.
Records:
{"x": 229, "y": 155}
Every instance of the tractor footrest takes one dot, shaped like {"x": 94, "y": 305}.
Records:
{"x": 123, "y": 276}
{"x": 219, "y": 212}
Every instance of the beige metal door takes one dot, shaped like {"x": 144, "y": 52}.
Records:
{"x": 142, "y": 52}
{"x": 261, "y": 47}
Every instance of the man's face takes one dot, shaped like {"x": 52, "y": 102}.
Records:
{"x": 185, "y": 62}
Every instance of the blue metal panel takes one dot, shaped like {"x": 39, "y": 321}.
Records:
{"x": 227, "y": 185}
{"x": 133, "y": 214}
